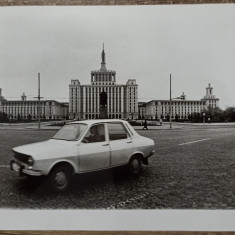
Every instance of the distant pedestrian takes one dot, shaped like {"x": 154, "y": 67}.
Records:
{"x": 145, "y": 125}
{"x": 160, "y": 122}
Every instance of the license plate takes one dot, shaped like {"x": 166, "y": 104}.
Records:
{"x": 15, "y": 166}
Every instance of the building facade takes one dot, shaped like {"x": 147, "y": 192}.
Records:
{"x": 103, "y": 97}
{"x": 28, "y": 109}
{"x": 180, "y": 107}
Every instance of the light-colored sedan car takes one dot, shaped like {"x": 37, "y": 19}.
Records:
{"x": 83, "y": 146}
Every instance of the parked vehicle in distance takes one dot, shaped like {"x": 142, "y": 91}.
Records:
{"x": 83, "y": 146}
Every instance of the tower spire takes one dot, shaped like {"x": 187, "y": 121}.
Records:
{"x": 103, "y": 63}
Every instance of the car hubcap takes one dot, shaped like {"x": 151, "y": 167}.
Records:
{"x": 135, "y": 165}
{"x": 61, "y": 179}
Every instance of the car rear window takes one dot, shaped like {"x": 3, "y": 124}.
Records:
{"x": 117, "y": 131}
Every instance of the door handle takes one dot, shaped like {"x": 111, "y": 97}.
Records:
{"x": 105, "y": 144}
{"x": 130, "y": 141}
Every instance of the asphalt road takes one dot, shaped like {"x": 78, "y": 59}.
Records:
{"x": 193, "y": 168}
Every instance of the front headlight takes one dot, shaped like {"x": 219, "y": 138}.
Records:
{"x": 30, "y": 161}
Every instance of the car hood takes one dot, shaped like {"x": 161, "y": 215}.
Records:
{"x": 47, "y": 148}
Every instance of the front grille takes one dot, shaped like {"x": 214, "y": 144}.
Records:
{"x": 21, "y": 157}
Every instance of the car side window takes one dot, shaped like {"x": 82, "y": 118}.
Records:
{"x": 117, "y": 131}
{"x": 96, "y": 133}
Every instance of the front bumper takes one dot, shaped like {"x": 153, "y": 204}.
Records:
{"x": 23, "y": 169}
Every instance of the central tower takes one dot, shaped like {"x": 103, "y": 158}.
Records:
{"x": 103, "y": 94}
{"x": 103, "y": 64}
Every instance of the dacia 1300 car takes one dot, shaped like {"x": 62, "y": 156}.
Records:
{"x": 83, "y": 146}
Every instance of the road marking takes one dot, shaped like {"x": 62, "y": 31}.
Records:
{"x": 4, "y": 166}
{"x": 195, "y": 141}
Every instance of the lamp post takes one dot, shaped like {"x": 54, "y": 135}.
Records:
{"x": 204, "y": 116}
{"x": 39, "y": 102}
{"x": 170, "y": 104}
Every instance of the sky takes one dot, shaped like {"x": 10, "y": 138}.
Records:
{"x": 193, "y": 43}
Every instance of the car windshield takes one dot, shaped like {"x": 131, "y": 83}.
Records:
{"x": 70, "y": 132}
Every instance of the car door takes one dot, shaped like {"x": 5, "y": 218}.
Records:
{"x": 94, "y": 152}
{"x": 120, "y": 142}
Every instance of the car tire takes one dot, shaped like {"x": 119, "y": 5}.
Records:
{"x": 60, "y": 178}
{"x": 135, "y": 165}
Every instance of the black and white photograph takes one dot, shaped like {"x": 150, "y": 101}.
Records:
{"x": 118, "y": 109}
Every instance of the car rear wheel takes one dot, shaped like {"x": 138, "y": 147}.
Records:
{"x": 60, "y": 178}
{"x": 135, "y": 165}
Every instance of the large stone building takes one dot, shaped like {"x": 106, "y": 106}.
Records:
{"x": 28, "y": 109}
{"x": 180, "y": 107}
{"x": 103, "y": 98}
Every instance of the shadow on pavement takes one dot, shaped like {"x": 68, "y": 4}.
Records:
{"x": 39, "y": 187}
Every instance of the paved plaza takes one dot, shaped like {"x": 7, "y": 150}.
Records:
{"x": 193, "y": 168}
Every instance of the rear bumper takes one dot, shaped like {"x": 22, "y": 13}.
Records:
{"x": 151, "y": 153}
{"x": 23, "y": 169}
{"x": 145, "y": 160}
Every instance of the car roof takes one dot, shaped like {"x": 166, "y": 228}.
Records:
{"x": 93, "y": 121}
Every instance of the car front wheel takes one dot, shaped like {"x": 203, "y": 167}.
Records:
{"x": 60, "y": 178}
{"x": 135, "y": 165}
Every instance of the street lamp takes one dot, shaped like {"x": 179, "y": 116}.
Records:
{"x": 170, "y": 103}
{"x": 204, "y": 116}
{"x": 39, "y": 102}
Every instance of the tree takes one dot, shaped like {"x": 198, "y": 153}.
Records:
{"x": 29, "y": 117}
{"x": 229, "y": 114}
{"x": 215, "y": 114}
{"x": 3, "y": 117}
{"x": 18, "y": 117}
{"x": 176, "y": 117}
{"x": 168, "y": 117}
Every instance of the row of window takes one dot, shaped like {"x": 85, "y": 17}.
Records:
{"x": 186, "y": 103}
{"x": 116, "y": 89}
{"x": 23, "y": 104}
{"x": 103, "y": 77}
{"x": 33, "y": 116}
{"x": 110, "y": 106}
{"x": 182, "y": 108}
{"x": 100, "y": 89}
{"x": 95, "y": 116}
{"x": 103, "y": 83}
